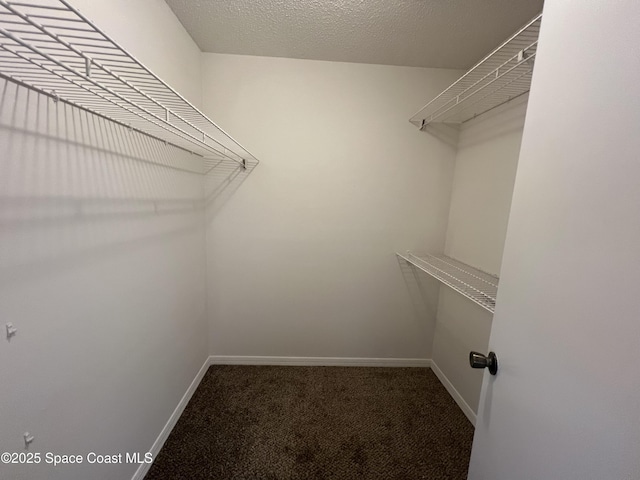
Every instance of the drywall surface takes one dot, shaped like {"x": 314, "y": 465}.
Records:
{"x": 483, "y": 182}
{"x": 301, "y": 259}
{"x": 564, "y": 404}
{"x": 485, "y": 172}
{"x": 149, "y": 30}
{"x": 101, "y": 273}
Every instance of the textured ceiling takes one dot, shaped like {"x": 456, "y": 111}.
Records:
{"x": 423, "y": 33}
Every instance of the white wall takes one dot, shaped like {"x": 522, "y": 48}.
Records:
{"x": 564, "y": 404}
{"x": 301, "y": 259}
{"x": 101, "y": 266}
{"x": 486, "y": 164}
{"x": 150, "y": 31}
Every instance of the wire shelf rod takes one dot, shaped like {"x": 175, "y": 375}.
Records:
{"x": 158, "y": 120}
{"x": 474, "y": 284}
{"x": 468, "y": 271}
{"x": 491, "y": 82}
{"x": 487, "y": 57}
{"x": 58, "y": 48}
{"x": 56, "y": 97}
{"x": 507, "y": 95}
{"x": 93, "y": 112}
{"x": 453, "y": 277}
{"x": 494, "y": 73}
{"x": 77, "y": 12}
{"x": 517, "y": 50}
{"x": 35, "y": 5}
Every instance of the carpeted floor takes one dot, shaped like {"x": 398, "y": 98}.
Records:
{"x": 298, "y": 423}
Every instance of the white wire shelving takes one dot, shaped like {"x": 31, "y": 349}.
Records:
{"x": 501, "y": 76}
{"x": 52, "y": 48}
{"x": 478, "y": 286}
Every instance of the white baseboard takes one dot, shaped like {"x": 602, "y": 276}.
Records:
{"x": 320, "y": 361}
{"x": 464, "y": 406}
{"x": 173, "y": 419}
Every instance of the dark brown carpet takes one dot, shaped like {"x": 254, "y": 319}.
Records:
{"x": 296, "y": 423}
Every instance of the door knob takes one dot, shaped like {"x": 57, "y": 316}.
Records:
{"x": 478, "y": 360}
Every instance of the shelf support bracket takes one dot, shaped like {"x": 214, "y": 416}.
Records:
{"x": 522, "y": 55}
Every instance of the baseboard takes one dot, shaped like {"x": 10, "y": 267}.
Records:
{"x": 320, "y": 361}
{"x": 464, "y": 406}
{"x": 164, "y": 433}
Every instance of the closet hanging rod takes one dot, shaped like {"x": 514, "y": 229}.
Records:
{"x": 81, "y": 66}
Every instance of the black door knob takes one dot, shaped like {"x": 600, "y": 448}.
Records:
{"x": 478, "y": 360}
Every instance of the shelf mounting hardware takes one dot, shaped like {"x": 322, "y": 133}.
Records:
{"x": 11, "y": 330}
{"x": 28, "y": 439}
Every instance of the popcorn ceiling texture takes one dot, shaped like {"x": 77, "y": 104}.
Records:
{"x": 420, "y": 33}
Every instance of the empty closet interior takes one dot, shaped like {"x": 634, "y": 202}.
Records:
{"x": 164, "y": 208}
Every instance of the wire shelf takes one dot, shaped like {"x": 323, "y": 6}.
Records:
{"x": 52, "y": 48}
{"x": 501, "y": 76}
{"x": 478, "y": 286}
